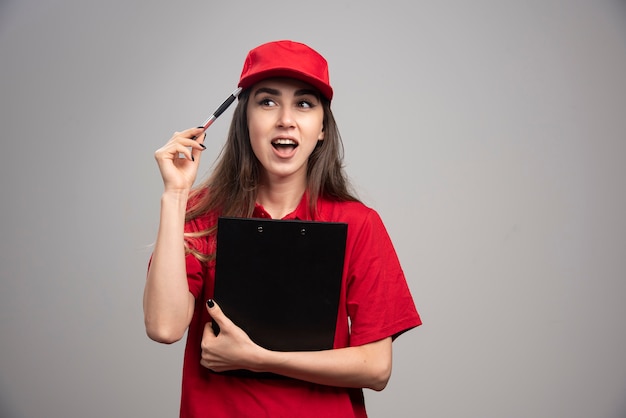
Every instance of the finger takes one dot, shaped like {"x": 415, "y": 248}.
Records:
{"x": 201, "y": 138}
{"x": 193, "y": 139}
{"x": 182, "y": 139}
{"x": 190, "y": 133}
{"x": 187, "y": 140}
{"x": 208, "y": 330}
{"x": 201, "y": 130}
{"x": 198, "y": 147}
{"x": 187, "y": 137}
{"x": 205, "y": 345}
{"x": 187, "y": 146}
{"x": 217, "y": 314}
{"x": 173, "y": 151}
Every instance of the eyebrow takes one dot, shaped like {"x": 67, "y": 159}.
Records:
{"x": 276, "y": 92}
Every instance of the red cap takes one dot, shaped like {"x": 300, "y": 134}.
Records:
{"x": 286, "y": 59}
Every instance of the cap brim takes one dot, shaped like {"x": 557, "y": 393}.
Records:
{"x": 251, "y": 80}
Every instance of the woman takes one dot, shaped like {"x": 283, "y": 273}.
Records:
{"x": 282, "y": 160}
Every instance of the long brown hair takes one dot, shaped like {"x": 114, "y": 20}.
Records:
{"x": 231, "y": 189}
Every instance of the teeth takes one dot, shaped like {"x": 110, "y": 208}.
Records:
{"x": 283, "y": 141}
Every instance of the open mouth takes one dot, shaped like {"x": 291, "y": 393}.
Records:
{"x": 284, "y": 144}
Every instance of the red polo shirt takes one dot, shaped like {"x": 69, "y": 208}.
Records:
{"x": 375, "y": 303}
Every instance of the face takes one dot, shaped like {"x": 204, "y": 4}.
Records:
{"x": 285, "y": 122}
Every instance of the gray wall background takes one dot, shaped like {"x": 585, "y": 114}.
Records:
{"x": 490, "y": 135}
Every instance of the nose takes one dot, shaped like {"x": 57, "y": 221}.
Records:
{"x": 286, "y": 117}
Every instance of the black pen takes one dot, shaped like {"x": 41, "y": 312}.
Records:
{"x": 220, "y": 110}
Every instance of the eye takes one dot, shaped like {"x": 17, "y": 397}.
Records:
{"x": 306, "y": 104}
{"x": 267, "y": 102}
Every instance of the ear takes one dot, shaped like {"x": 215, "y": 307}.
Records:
{"x": 321, "y": 135}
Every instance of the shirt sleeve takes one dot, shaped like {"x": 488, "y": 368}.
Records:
{"x": 196, "y": 269}
{"x": 379, "y": 301}
{"x": 195, "y": 275}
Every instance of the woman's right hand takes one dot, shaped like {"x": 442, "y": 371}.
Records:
{"x": 179, "y": 158}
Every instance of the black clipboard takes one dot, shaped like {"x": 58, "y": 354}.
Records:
{"x": 280, "y": 280}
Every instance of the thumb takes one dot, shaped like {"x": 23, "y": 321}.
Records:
{"x": 216, "y": 313}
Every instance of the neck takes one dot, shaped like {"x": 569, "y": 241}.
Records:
{"x": 279, "y": 199}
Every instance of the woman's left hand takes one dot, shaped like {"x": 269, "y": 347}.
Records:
{"x": 365, "y": 366}
{"x": 231, "y": 349}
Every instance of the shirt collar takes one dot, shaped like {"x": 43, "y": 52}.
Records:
{"x": 301, "y": 212}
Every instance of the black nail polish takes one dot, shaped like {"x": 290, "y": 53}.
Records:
{"x": 202, "y": 145}
{"x": 200, "y": 127}
{"x": 193, "y": 159}
{"x": 210, "y": 303}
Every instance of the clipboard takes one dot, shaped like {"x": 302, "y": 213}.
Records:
{"x": 280, "y": 280}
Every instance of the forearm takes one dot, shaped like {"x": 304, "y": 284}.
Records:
{"x": 168, "y": 305}
{"x": 367, "y": 366}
